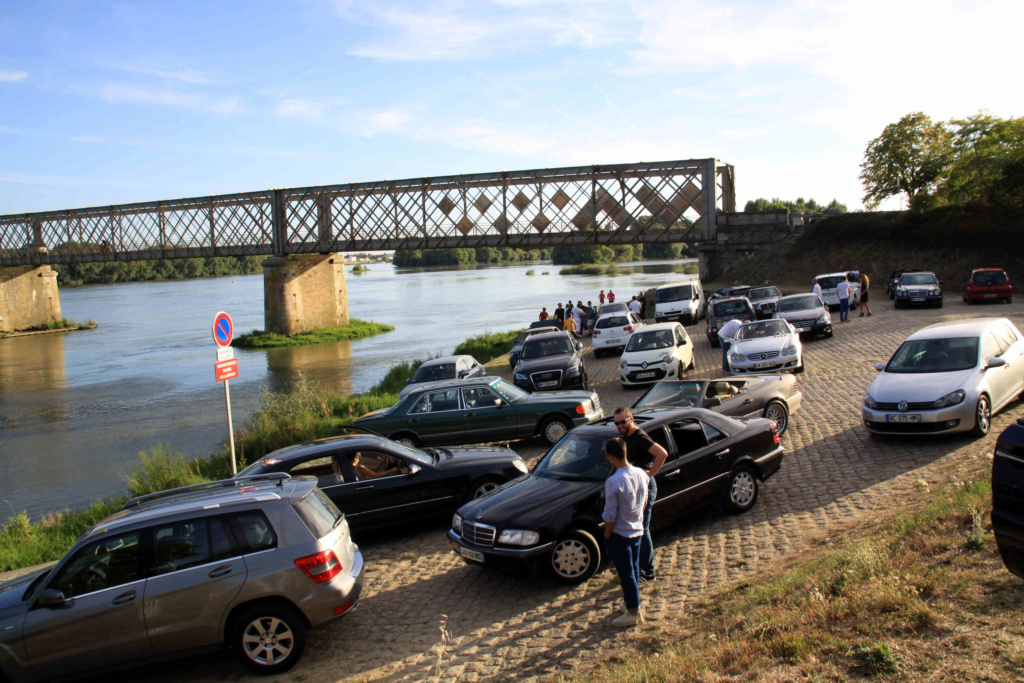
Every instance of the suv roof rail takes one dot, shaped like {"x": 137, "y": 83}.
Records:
{"x": 279, "y": 477}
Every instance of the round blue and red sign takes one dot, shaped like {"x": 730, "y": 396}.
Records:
{"x": 223, "y": 330}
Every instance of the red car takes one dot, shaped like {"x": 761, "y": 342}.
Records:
{"x": 988, "y": 284}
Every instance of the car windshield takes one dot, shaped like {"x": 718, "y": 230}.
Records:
{"x": 830, "y": 282}
{"x": 764, "y": 293}
{"x": 800, "y": 303}
{"x": 765, "y": 328}
{"x": 737, "y": 291}
{"x": 650, "y": 340}
{"x": 677, "y": 293}
{"x": 731, "y": 307}
{"x": 434, "y": 373}
{"x": 539, "y": 348}
{"x": 934, "y": 355}
{"x": 612, "y": 321}
{"x": 919, "y": 279}
{"x": 671, "y": 395}
{"x": 576, "y": 456}
{"x": 990, "y": 278}
{"x": 509, "y": 392}
{"x": 410, "y": 452}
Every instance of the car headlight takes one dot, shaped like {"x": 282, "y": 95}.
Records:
{"x": 870, "y": 402}
{"x": 665, "y": 356}
{"x": 519, "y": 465}
{"x": 712, "y": 330}
{"x": 737, "y": 357}
{"x": 572, "y": 370}
{"x": 518, "y": 537}
{"x": 623, "y": 364}
{"x": 521, "y": 376}
{"x": 789, "y": 350}
{"x": 457, "y": 524}
{"x": 953, "y": 398}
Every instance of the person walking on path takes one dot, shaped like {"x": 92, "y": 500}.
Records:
{"x": 544, "y": 313}
{"x": 865, "y": 283}
{"x": 625, "y": 499}
{"x": 649, "y": 457}
{"x": 843, "y": 291}
{"x": 634, "y": 306}
{"x": 725, "y": 337}
{"x": 559, "y": 314}
{"x": 591, "y": 317}
{"x": 611, "y": 296}
{"x": 600, "y": 298}
{"x": 816, "y": 288}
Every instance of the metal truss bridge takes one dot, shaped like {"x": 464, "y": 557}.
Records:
{"x": 660, "y": 202}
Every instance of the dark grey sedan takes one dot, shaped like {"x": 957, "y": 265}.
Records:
{"x": 775, "y": 397}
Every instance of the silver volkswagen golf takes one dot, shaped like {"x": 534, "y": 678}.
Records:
{"x": 250, "y": 563}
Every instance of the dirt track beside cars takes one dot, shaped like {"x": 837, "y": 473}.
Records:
{"x": 425, "y": 614}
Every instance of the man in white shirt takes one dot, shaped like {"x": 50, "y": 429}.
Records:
{"x": 625, "y": 496}
{"x": 816, "y": 289}
{"x": 726, "y": 333}
{"x": 634, "y": 306}
{"x": 843, "y": 291}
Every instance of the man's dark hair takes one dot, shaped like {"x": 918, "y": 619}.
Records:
{"x": 623, "y": 411}
{"x": 616, "y": 448}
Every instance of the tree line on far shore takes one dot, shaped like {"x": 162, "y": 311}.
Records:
{"x": 97, "y": 273}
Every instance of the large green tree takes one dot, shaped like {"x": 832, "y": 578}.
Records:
{"x": 907, "y": 158}
{"x": 987, "y": 162}
{"x": 799, "y": 206}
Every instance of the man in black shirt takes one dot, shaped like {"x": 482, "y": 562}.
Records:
{"x": 648, "y": 456}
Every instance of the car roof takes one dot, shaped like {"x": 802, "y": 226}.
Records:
{"x": 677, "y": 284}
{"x": 956, "y": 328}
{"x": 442, "y": 360}
{"x": 844, "y": 273}
{"x": 654, "y": 327}
{"x": 732, "y": 298}
{"x": 989, "y": 270}
{"x": 541, "y": 330}
{"x": 453, "y": 383}
{"x": 549, "y": 335}
{"x": 793, "y": 296}
{"x": 918, "y": 272}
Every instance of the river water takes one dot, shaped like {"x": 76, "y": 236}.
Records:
{"x": 77, "y": 408}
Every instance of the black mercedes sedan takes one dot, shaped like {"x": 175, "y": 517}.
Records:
{"x": 551, "y": 361}
{"x": 393, "y": 483}
{"x": 552, "y": 518}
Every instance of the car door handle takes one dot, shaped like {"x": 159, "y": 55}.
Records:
{"x": 724, "y": 451}
{"x": 220, "y": 571}
{"x": 676, "y": 473}
{"x": 414, "y": 419}
{"x": 749, "y": 400}
{"x": 470, "y": 414}
{"x": 124, "y": 598}
{"x": 364, "y": 487}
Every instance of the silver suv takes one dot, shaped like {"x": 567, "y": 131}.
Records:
{"x": 250, "y": 563}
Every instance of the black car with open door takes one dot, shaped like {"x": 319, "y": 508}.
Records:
{"x": 552, "y": 518}
{"x": 1008, "y": 496}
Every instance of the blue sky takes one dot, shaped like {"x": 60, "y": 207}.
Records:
{"x": 112, "y": 102}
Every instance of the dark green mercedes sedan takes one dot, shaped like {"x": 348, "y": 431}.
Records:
{"x": 481, "y": 410}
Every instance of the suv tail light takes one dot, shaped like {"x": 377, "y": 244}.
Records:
{"x": 321, "y": 567}
{"x": 628, "y": 328}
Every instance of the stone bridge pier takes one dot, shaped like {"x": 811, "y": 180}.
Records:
{"x": 28, "y": 297}
{"x": 303, "y": 292}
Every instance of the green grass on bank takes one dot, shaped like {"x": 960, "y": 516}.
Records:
{"x": 488, "y": 346}
{"x": 610, "y": 269}
{"x": 62, "y": 324}
{"x": 356, "y": 329}
{"x": 923, "y": 596}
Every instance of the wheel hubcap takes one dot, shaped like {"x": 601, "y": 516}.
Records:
{"x": 742, "y": 489}
{"x": 484, "y": 489}
{"x": 984, "y": 417}
{"x": 777, "y": 415}
{"x": 267, "y": 641}
{"x": 555, "y": 431}
{"x": 570, "y": 558}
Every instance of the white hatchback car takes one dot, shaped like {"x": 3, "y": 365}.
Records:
{"x": 949, "y": 377}
{"x": 656, "y": 352}
{"x": 612, "y": 331}
{"x": 766, "y": 346}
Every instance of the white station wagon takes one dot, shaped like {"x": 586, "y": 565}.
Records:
{"x": 949, "y": 377}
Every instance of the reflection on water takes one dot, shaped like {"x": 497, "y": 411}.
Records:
{"x": 77, "y": 408}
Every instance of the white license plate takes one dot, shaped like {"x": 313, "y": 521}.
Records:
{"x": 989, "y": 296}
{"x": 471, "y": 554}
{"x": 902, "y": 418}
{"x": 542, "y": 385}
{"x": 917, "y": 298}
{"x": 644, "y": 375}
{"x": 766, "y": 364}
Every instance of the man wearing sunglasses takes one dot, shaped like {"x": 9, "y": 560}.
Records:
{"x": 644, "y": 453}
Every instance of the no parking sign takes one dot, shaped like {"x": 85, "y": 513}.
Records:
{"x": 226, "y": 368}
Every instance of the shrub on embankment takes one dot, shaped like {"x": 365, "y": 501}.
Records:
{"x": 306, "y": 412}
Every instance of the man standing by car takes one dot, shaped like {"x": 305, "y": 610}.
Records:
{"x": 725, "y": 335}
{"x": 625, "y": 498}
{"x": 559, "y": 314}
{"x": 816, "y": 288}
{"x": 634, "y": 306}
{"x": 649, "y": 457}
{"x": 843, "y": 292}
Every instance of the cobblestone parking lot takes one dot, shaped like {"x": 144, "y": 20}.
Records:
{"x": 426, "y": 614}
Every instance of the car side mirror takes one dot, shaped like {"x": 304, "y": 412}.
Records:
{"x": 879, "y": 366}
{"x": 682, "y": 342}
{"x": 51, "y": 597}
{"x": 994, "y": 363}
{"x": 462, "y": 374}
{"x": 408, "y": 380}
{"x": 415, "y": 469}
{"x": 712, "y": 402}
{"x": 498, "y": 402}
{"x": 941, "y": 281}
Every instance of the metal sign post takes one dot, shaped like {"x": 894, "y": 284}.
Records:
{"x": 226, "y": 368}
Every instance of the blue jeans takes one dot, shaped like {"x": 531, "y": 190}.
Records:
{"x": 726, "y": 345}
{"x": 844, "y": 309}
{"x": 646, "y": 542}
{"x": 625, "y": 554}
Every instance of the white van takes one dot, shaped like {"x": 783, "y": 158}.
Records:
{"x": 682, "y": 301}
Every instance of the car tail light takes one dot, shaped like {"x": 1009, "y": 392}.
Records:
{"x": 628, "y": 328}
{"x": 344, "y": 608}
{"x": 775, "y": 434}
{"x": 321, "y": 567}
{"x": 596, "y": 332}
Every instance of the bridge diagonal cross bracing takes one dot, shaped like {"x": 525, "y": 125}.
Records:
{"x": 660, "y": 202}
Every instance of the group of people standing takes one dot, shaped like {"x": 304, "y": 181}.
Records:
{"x": 576, "y": 319}
{"x": 843, "y": 292}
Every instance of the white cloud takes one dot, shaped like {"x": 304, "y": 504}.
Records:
{"x": 307, "y": 110}
{"x": 739, "y": 134}
{"x": 12, "y": 76}
{"x": 181, "y": 75}
{"x": 117, "y": 93}
{"x": 386, "y": 121}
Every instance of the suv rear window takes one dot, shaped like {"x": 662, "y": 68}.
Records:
{"x": 612, "y": 321}
{"x": 318, "y": 513}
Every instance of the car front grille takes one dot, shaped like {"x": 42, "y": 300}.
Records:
{"x": 597, "y": 403}
{"x": 770, "y": 306}
{"x": 909, "y": 427}
{"x": 925, "y": 405}
{"x": 767, "y": 355}
{"x": 478, "y": 534}
{"x": 803, "y": 324}
{"x": 548, "y": 376}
